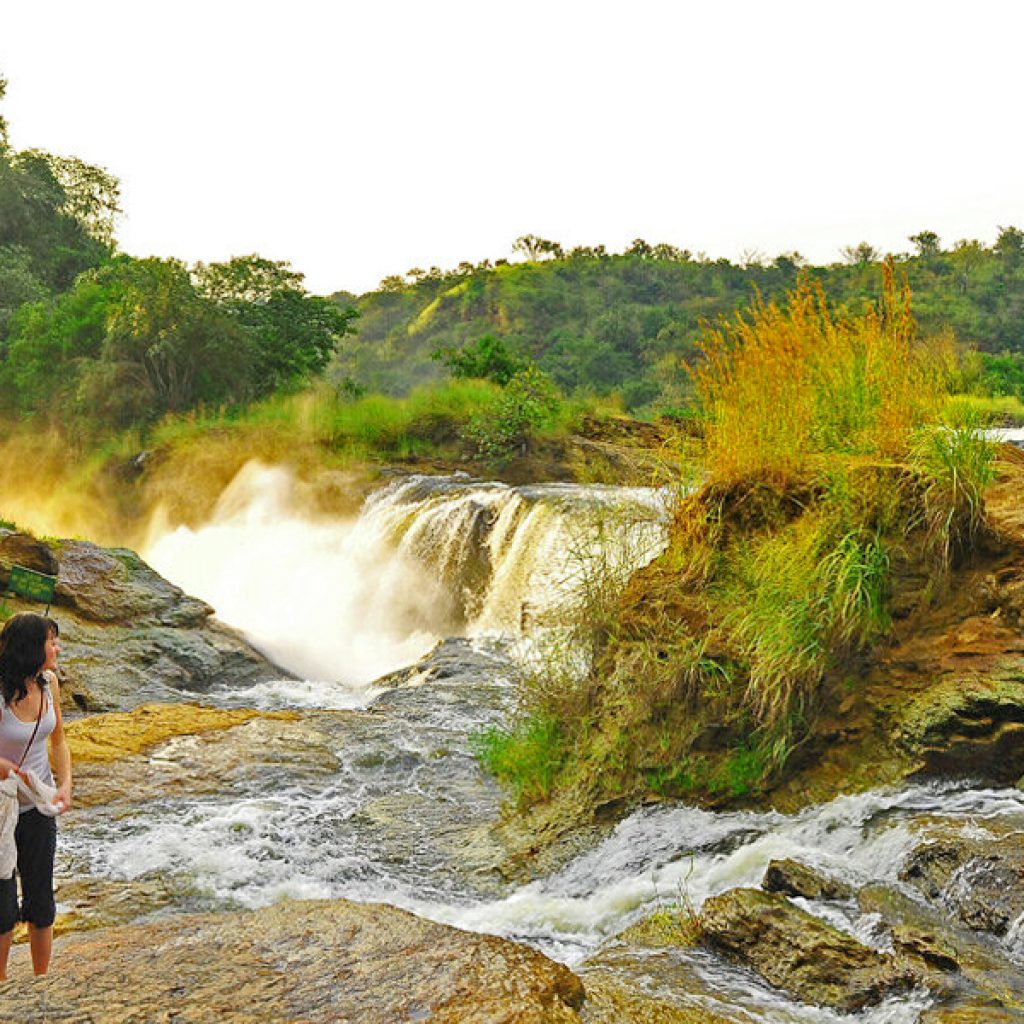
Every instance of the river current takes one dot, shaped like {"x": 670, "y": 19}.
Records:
{"x": 378, "y": 796}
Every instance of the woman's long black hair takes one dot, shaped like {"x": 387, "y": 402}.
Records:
{"x": 23, "y": 652}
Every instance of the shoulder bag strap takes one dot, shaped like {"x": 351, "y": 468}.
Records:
{"x": 39, "y": 718}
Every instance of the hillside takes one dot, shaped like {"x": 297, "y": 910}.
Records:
{"x": 602, "y": 322}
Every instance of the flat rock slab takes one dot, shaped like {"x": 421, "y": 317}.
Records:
{"x": 309, "y": 961}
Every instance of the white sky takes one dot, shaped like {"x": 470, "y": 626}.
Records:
{"x": 360, "y": 139}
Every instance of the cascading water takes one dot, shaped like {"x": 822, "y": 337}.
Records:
{"x": 388, "y": 804}
{"x": 427, "y": 558}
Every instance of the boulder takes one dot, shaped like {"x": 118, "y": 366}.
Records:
{"x": 613, "y": 1000}
{"x": 23, "y": 549}
{"x": 799, "y": 953}
{"x": 971, "y": 968}
{"x": 980, "y": 880}
{"x": 318, "y": 961}
{"x": 794, "y": 879}
{"x": 114, "y": 585}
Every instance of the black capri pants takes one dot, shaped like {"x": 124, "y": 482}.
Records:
{"x": 36, "y": 838}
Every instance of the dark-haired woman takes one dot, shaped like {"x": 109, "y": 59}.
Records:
{"x": 30, "y": 721}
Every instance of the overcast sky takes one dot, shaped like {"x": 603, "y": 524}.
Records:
{"x": 360, "y": 139}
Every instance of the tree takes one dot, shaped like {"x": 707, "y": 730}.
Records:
{"x": 1009, "y": 248}
{"x": 18, "y": 284}
{"x": 488, "y": 359}
{"x": 244, "y": 279}
{"x": 128, "y": 343}
{"x": 92, "y": 196}
{"x": 534, "y": 248}
{"x": 3, "y": 120}
{"x": 639, "y": 248}
{"x": 64, "y": 229}
{"x": 967, "y": 256}
{"x": 926, "y": 243}
{"x": 293, "y": 334}
{"x": 861, "y": 254}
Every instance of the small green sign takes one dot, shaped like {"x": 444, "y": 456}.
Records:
{"x": 36, "y": 586}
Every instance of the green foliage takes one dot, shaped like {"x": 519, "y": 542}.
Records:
{"x": 597, "y": 321}
{"x": 796, "y": 601}
{"x": 130, "y": 342}
{"x": 488, "y": 359}
{"x": 58, "y": 212}
{"x": 137, "y": 339}
{"x": 527, "y": 405}
{"x": 292, "y": 335}
{"x": 526, "y": 757}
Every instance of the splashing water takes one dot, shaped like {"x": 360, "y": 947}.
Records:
{"x": 427, "y": 558}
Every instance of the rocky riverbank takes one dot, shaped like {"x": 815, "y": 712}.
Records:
{"x": 323, "y": 962}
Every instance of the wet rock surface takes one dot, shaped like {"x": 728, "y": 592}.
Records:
{"x": 613, "y": 999}
{"x": 791, "y": 878}
{"x": 975, "y": 971}
{"x": 980, "y": 880}
{"x": 795, "y": 951}
{"x": 128, "y": 636}
{"x": 311, "y": 961}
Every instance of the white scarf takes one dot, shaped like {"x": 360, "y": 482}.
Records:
{"x": 39, "y": 793}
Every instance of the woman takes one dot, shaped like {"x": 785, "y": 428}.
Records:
{"x": 29, "y": 719}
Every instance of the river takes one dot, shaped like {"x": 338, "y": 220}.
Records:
{"x": 378, "y": 796}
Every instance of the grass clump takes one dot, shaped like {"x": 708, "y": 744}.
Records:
{"x": 526, "y": 757}
{"x": 957, "y": 459}
{"x": 786, "y": 382}
{"x": 797, "y": 601}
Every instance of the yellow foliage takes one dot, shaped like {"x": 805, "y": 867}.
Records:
{"x": 802, "y": 379}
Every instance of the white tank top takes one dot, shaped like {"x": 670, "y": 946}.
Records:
{"x": 15, "y": 734}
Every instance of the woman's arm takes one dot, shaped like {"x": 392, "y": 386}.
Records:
{"x": 60, "y": 756}
{"x": 6, "y": 767}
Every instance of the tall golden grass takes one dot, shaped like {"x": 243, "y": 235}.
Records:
{"x": 788, "y": 381}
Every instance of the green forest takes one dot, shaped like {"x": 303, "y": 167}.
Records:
{"x": 631, "y": 322}
{"x": 100, "y": 342}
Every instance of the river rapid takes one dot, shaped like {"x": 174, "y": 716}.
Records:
{"x": 377, "y": 795}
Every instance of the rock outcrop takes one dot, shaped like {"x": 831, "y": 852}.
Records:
{"x": 128, "y": 636}
{"x": 320, "y": 962}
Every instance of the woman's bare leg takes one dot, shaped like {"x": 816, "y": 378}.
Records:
{"x": 40, "y": 943}
{"x": 5, "y": 952}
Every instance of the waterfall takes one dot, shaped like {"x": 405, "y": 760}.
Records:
{"x": 348, "y": 600}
